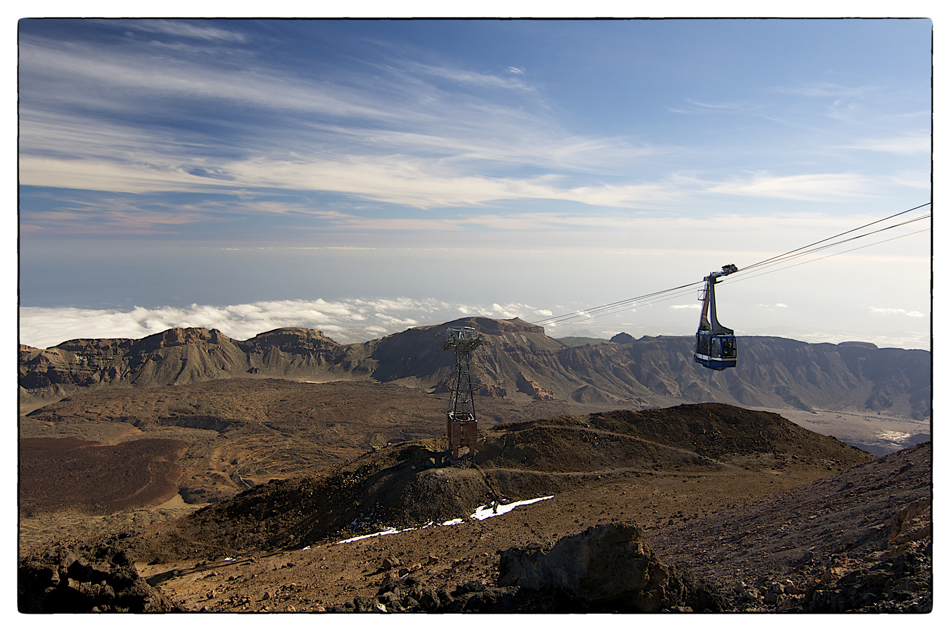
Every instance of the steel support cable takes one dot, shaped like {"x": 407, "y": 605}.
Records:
{"x": 860, "y": 247}
{"x": 591, "y": 313}
{"x": 607, "y": 307}
{"x": 648, "y": 303}
{"x": 733, "y": 279}
{"x": 629, "y": 300}
{"x": 788, "y": 256}
{"x": 611, "y": 306}
{"x": 840, "y": 234}
{"x": 619, "y": 305}
{"x": 586, "y": 314}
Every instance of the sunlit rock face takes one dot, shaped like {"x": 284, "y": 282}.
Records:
{"x": 516, "y": 360}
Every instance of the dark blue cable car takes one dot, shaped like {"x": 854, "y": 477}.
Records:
{"x": 715, "y": 344}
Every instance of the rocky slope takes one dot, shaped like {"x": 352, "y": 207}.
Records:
{"x": 410, "y": 484}
{"x": 858, "y": 541}
{"x": 517, "y": 361}
{"x": 238, "y": 432}
{"x": 695, "y": 508}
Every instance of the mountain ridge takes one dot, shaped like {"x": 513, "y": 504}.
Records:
{"x": 517, "y": 360}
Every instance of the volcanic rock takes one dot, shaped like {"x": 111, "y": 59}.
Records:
{"x": 859, "y": 541}
{"x": 623, "y": 338}
{"x": 593, "y": 394}
{"x": 607, "y": 568}
{"x": 86, "y": 579}
{"x": 533, "y": 388}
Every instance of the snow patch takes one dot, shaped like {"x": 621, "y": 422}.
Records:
{"x": 490, "y": 510}
{"x": 482, "y": 512}
{"x": 388, "y": 531}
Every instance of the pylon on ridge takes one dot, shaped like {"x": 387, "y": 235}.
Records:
{"x": 461, "y": 426}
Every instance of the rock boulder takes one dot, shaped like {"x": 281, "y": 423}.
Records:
{"x": 86, "y": 579}
{"x": 607, "y": 567}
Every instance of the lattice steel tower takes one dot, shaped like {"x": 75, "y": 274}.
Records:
{"x": 461, "y": 426}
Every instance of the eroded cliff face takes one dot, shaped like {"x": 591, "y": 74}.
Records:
{"x": 516, "y": 359}
{"x": 173, "y": 357}
{"x": 772, "y": 372}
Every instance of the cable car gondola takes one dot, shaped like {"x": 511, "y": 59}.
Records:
{"x": 715, "y": 344}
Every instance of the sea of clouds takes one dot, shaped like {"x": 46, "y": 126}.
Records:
{"x": 358, "y": 320}
{"x": 346, "y": 321}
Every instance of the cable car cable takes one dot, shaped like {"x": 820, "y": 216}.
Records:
{"x": 775, "y": 260}
{"x": 622, "y": 308}
{"x": 861, "y": 247}
{"x": 612, "y": 305}
{"x": 620, "y": 305}
{"x": 903, "y": 212}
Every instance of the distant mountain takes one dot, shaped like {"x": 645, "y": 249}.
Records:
{"x": 517, "y": 360}
{"x": 580, "y": 341}
{"x": 174, "y": 357}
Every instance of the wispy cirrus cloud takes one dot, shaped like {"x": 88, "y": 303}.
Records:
{"x": 190, "y": 29}
{"x": 823, "y": 89}
{"x": 725, "y": 107}
{"x": 192, "y": 107}
{"x": 912, "y": 179}
{"x": 468, "y": 77}
{"x": 395, "y": 180}
{"x": 903, "y": 145}
{"x": 115, "y": 222}
{"x": 143, "y": 81}
{"x": 810, "y": 187}
{"x": 74, "y": 213}
{"x": 82, "y": 115}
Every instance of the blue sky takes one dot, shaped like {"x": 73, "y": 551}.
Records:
{"x": 365, "y": 176}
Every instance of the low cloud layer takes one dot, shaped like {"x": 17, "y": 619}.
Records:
{"x": 891, "y": 310}
{"x": 345, "y": 321}
{"x": 357, "y": 320}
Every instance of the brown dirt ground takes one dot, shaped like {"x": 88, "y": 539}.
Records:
{"x": 656, "y": 486}
{"x": 446, "y": 556}
{"x": 665, "y": 470}
{"x": 247, "y": 431}
{"x": 71, "y": 474}
{"x": 240, "y": 432}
